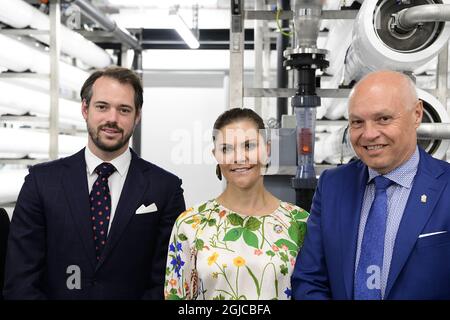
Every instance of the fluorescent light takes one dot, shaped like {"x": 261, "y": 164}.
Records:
{"x": 183, "y": 30}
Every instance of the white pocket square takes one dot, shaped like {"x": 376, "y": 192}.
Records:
{"x": 430, "y": 234}
{"x": 146, "y": 209}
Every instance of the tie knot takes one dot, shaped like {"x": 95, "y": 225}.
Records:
{"x": 105, "y": 169}
{"x": 382, "y": 183}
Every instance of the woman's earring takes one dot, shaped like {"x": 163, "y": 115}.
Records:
{"x": 218, "y": 173}
{"x": 268, "y": 163}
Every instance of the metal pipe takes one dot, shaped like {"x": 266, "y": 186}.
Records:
{"x": 434, "y": 131}
{"x": 105, "y": 22}
{"x": 282, "y": 75}
{"x": 55, "y": 47}
{"x": 137, "y": 66}
{"x": 410, "y": 18}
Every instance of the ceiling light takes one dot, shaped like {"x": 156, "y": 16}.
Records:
{"x": 183, "y": 30}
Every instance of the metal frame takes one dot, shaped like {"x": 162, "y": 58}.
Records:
{"x": 55, "y": 46}
{"x": 442, "y": 92}
{"x": 237, "y": 91}
{"x": 236, "y": 82}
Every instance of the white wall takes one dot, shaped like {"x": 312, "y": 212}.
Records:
{"x": 176, "y": 135}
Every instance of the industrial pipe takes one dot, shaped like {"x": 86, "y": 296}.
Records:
{"x": 14, "y": 178}
{"x": 377, "y": 44}
{"x": 20, "y": 14}
{"x": 434, "y": 131}
{"x": 26, "y": 142}
{"x": 282, "y": 75}
{"x": 408, "y": 19}
{"x": 105, "y": 22}
{"x": 137, "y": 134}
{"x": 24, "y": 100}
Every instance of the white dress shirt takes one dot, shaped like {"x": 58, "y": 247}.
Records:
{"x": 115, "y": 181}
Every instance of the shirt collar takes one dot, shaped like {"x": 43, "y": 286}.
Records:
{"x": 121, "y": 163}
{"x": 402, "y": 175}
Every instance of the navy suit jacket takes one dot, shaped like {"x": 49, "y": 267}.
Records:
{"x": 420, "y": 267}
{"x": 51, "y": 230}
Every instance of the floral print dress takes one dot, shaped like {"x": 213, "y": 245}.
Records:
{"x": 215, "y": 253}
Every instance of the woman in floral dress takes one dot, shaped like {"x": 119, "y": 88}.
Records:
{"x": 243, "y": 244}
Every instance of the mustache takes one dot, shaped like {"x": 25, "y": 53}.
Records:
{"x": 111, "y": 125}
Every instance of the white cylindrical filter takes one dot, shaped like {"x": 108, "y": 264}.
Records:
{"x": 19, "y": 14}
{"x": 26, "y": 100}
{"x": 16, "y": 13}
{"x": 369, "y": 50}
{"x": 334, "y": 147}
{"x": 434, "y": 112}
{"x": 12, "y": 183}
{"x": 27, "y": 141}
{"x": 14, "y": 55}
{"x": 336, "y": 108}
{"x": 19, "y": 57}
{"x": 338, "y": 40}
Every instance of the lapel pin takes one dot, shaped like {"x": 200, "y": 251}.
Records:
{"x": 423, "y": 198}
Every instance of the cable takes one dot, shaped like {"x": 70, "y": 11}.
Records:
{"x": 277, "y": 19}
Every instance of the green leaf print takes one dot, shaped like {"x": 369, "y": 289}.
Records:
{"x": 287, "y": 243}
{"x": 191, "y": 221}
{"x": 219, "y": 297}
{"x": 302, "y": 230}
{"x": 252, "y": 224}
{"x": 233, "y": 234}
{"x": 294, "y": 232}
{"x": 182, "y": 237}
{"x": 270, "y": 253}
{"x": 199, "y": 243}
{"x": 284, "y": 257}
{"x": 211, "y": 222}
{"x": 300, "y": 214}
{"x": 173, "y": 297}
{"x": 202, "y": 207}
{"x": 235, "y": 220}
{"x": 250, "y": 238}
{"x": 284, "y": 270}
{"x": 258, "y": 287}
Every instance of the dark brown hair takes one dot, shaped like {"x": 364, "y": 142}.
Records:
{"x": 123, "y": 75}
{"x": 237, "y": 114}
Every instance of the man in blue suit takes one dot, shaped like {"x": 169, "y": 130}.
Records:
{"x": 95, "y": 225}
{"x": 379, "y": 226}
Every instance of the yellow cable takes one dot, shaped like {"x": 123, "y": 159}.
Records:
{"x": 277, "y": 18}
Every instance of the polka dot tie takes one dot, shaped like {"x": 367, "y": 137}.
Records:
{"x": 100, "y": 199}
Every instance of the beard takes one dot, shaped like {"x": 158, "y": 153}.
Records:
{"x": 95, "y": 136}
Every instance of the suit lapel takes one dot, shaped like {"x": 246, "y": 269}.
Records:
{"x": 416, "y": 214}
{"x": 130, "y": 198}
{"x": 77, "y": 193}
{"x": 350, "y": 216}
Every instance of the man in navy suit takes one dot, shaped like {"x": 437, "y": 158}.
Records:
{"x": 95, "y": 225}
{"x": 379, "y": 226}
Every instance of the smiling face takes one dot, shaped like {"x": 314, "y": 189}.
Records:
{"x": 241, "y": 153}
{"x": 110, "y": 117}
{"x": 384, "y": 114}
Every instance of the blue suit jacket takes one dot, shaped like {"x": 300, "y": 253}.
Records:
{"x": 51, "y": 230}
{"x": 420, "y": 267}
